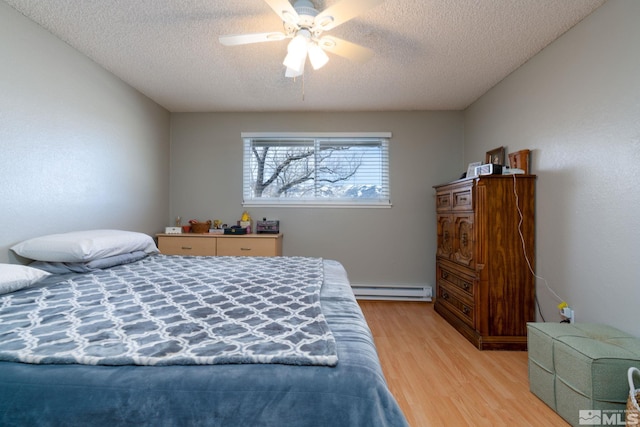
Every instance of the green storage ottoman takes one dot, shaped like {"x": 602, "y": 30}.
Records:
{"x": 574, "y": 367}
{"x": 540, "y": 339}
{"x": 542, "y": 383}
{"x": 591, "y": 372}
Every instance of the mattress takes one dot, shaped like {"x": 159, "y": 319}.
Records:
{"x": 352, "y": 392}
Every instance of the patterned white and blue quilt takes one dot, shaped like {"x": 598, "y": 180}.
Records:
{"x": 173, "y": 310}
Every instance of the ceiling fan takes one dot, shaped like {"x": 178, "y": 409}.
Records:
{"x": 305, "y": 25}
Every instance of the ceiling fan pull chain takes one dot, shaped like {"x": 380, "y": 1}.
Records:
{"x": 295, "y": 80}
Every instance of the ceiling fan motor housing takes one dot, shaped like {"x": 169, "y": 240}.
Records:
{"x": 306, "y": 11}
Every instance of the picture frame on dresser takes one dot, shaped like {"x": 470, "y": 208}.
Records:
{"x": 471, "y": 169}
{"x": 520, "y": 160}
{"x": 496, "y": 156}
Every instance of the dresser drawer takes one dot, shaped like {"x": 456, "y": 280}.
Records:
{"x": 462, "y": 198}
{"x": 456, "y": 304}
{"x": 454, "y": 279}
{"x": 187, "y": 245}
{"x": 443, "y": 201}
{"x": 249, "y": 246}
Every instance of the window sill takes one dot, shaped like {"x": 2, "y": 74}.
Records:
{"x": 315, "y": 204}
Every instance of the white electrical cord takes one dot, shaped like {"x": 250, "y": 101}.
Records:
{"x": 524, "y": 249}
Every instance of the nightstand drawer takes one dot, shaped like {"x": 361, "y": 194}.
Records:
{"x": 190, "y": 245}
{"x": 249, "y": 246}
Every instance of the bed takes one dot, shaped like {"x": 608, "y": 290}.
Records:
{"x": 336, "y": 380}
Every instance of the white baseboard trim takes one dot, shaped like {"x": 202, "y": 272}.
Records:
{"x": 394, "y": 291}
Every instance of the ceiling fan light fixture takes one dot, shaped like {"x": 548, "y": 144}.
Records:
{"x": 304, "y": 25}
{"x": 317, "y": 56}
{"x": 295, "y": 62}
{"x": 291, "y": 73}
{"x": 297, "y": 51}
{"x": 298, "y": 45}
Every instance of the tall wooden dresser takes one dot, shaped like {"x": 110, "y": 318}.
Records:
{"x": 484, "y": 287}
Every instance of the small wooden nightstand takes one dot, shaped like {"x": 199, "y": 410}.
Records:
{"x": 220, "y": 244}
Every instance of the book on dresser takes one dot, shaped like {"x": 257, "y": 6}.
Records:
{"x": 485, "y": 286}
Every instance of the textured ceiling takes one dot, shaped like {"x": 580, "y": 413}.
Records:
{"x": 429, "y": 54}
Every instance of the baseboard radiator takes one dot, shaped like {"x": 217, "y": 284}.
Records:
{"x": 396, "y": 292}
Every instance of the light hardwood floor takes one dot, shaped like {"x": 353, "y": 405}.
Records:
{"x": 439, "y": 378}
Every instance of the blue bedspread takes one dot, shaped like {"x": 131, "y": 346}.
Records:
{"x": 353, "y": 393}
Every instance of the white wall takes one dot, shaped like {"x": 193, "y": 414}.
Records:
{"x": 577, "y": 106}
{"x": 79, "y": 149}
{"x": 377, "y": 246}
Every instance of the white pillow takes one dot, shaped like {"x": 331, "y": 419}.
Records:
{"x": 79, "y": 246}
{"x": 15, "y": 276}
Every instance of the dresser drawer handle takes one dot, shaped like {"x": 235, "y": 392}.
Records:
{"x": 188, "y": 248}
{"x": 445, "y": 275}
{"x": 245, "y": 249}
{"x": 466, "y": 286}
{"x": 466, "y": 310}
{"x": 445, "y": 295}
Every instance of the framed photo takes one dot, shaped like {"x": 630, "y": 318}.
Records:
{"x": 471, "y": 169}
{"x": 520, "y": 160}
{"x": 496, "y": 156}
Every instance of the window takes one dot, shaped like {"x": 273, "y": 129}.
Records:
{"x": 318, "y": 169}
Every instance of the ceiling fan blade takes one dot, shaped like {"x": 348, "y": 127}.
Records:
{"x": 341, "y": 12}
{"x": 285, "y": 10}
{"x": 238, "y": 39}
{"x": 346, "y": 49}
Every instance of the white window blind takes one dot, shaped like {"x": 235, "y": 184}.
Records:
{"x": 319, "y": 169}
